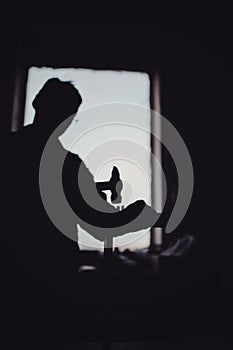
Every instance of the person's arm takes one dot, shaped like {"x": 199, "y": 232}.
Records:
{"x": 96, "y": 215}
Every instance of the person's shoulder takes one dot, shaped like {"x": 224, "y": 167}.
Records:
{"x": 26, "y": 130}
{"x": 18, "y": 134}
{"x": 8, "y": 137}
{"x": 18, "y": 141}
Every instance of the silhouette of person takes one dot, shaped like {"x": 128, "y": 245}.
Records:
{"x": 38, "y": 246}
{"x": 51, "y": 253}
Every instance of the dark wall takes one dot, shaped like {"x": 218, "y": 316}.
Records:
{"x": 196, "y": 65}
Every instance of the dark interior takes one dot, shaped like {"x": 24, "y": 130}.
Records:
{"x": 190, "y": 298}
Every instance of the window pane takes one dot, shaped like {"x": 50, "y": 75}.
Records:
{"x": 96, "y": 88}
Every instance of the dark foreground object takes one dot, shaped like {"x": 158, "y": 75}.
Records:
{"x": 182, "y": 302}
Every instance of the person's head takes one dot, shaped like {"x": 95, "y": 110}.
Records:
{"x": 56, "y": 101}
